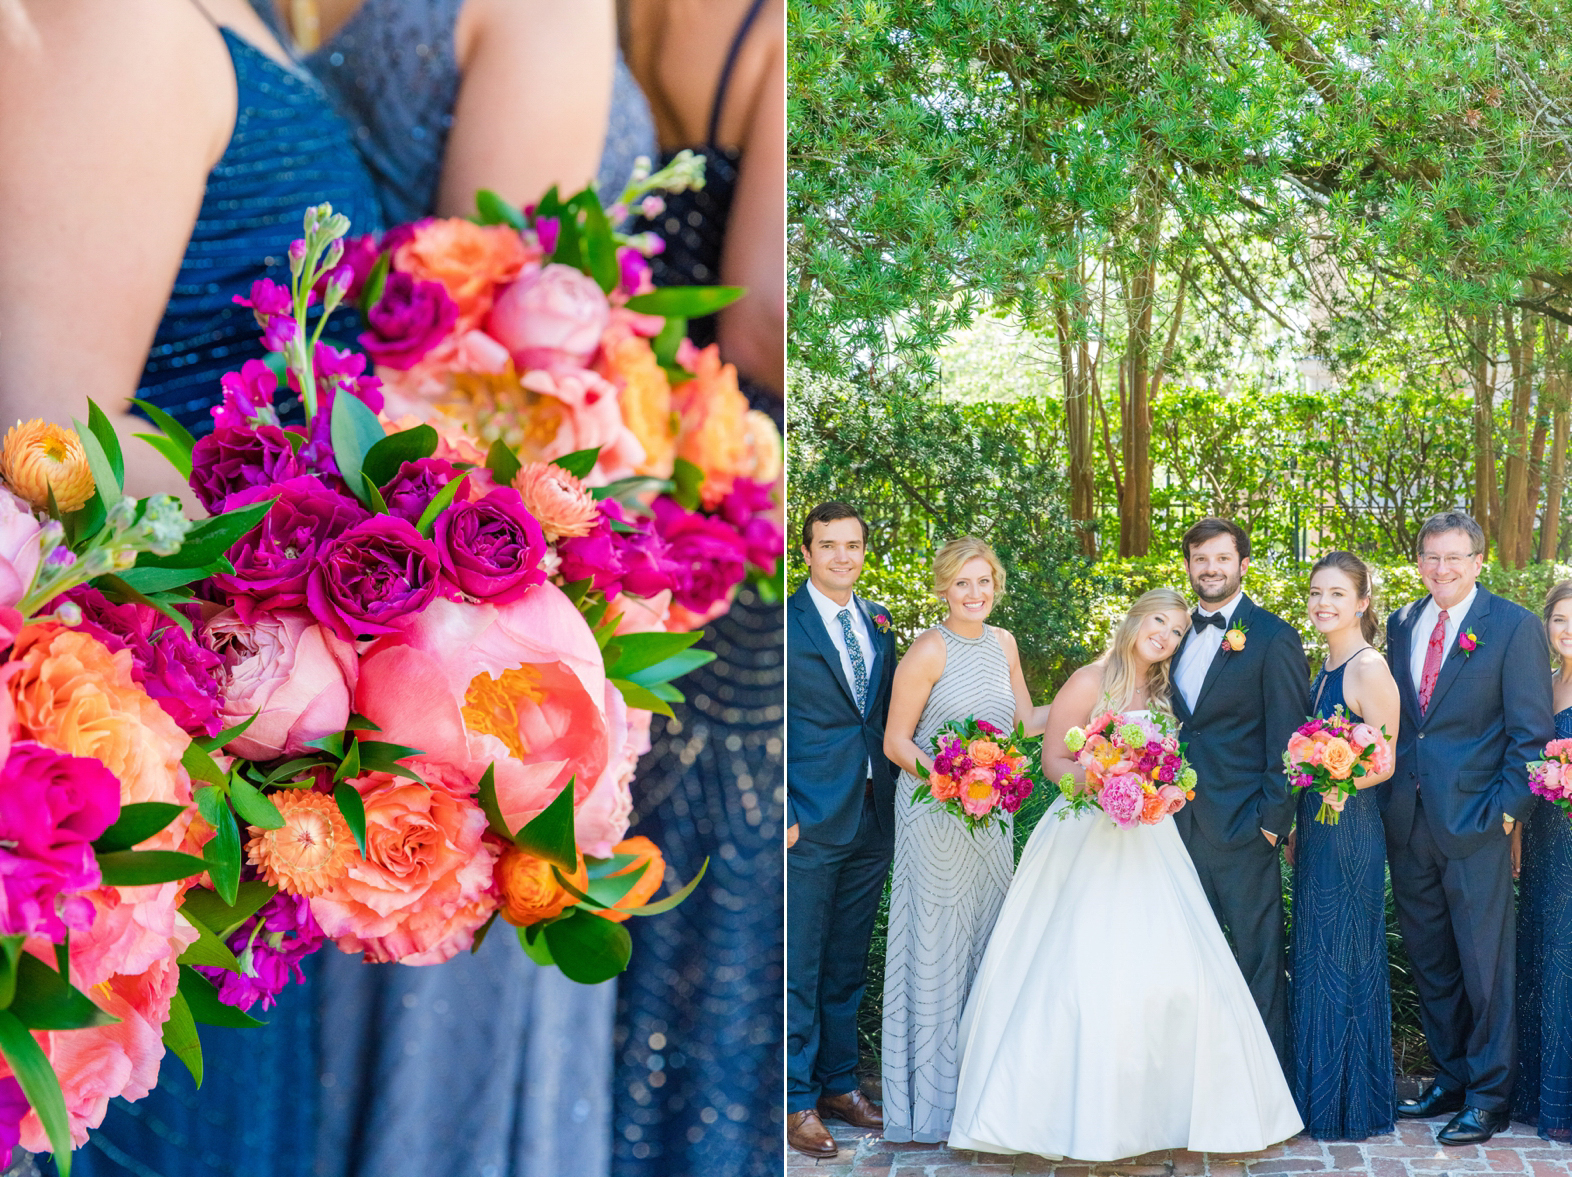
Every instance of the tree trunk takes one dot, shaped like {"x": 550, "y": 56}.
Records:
{"x": 1135, "y": 506}
{"x": 1555, "y": 387}
{"x": 1480, "y": 333}
{"x": 1516, "y": 512}
{"x": 1075, "y": 359}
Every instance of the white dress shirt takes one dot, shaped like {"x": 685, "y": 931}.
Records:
{"x": 1420, "y": 634}
{"x": 1196, "y": 659}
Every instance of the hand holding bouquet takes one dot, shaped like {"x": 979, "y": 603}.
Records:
{"x": 1332, "y": 755}
{"x": 1551, "y": 778}
{"x": 977, "y": 772}
{"x": 1135, "y": 770}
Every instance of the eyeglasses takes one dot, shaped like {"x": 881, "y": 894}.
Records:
{"x": 1452, "y": 563}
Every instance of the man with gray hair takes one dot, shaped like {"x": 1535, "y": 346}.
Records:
{"x": 1473, "y": 671}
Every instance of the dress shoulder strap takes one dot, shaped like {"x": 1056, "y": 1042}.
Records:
{"x": 725, "y": 75}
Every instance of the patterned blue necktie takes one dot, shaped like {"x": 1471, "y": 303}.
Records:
{"x": 859, "y": 668}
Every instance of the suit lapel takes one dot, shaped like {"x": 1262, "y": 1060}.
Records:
{"x": 1182, "y": 710}
{"x": 813, "y": 623}
{"x": 1402, "y": 661}
{"x": 1477, "y": 619}
{"x": 1224, "y": 655}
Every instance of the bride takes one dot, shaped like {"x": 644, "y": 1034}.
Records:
{"x": 1108, "y": 1018}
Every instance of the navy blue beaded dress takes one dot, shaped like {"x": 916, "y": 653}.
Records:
{"x": 1542, "y": 1092}
{"x": 1340, "y": 1003}
{"x": 256, "y": 1114}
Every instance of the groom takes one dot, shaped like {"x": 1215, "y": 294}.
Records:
{"x": 1241, "y": 687}
{"x": 1473, "y": 672}
{"x": 840, "y": 823}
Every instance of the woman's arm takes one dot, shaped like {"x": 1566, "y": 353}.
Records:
{"x": 1372, "y": 692}
{"x": 534, "y": 102}
{"x": 1071, "y": 707}
{"x": 914, "y": 679}
{"x": 112, "y": 112}
{"x": 1032, "y": 719}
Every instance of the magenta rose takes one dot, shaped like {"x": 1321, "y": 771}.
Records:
{"x": 708, "y": 557}
{"x": 296, "y": 677}
{"x": 52, "y": 806}
{"x": 551, "y": 315}
{"x": 372, "y": 577}
{"x": 411, "y": 490}
{"x": 274, "y": 560}
{"x": 233, "y": 459}
{"x": 492, "y": 549}
{"x": 408, "y": 321}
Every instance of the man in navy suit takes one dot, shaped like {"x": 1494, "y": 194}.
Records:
{"x": 840, "y": 817}
{"x": 1473, "y": 671}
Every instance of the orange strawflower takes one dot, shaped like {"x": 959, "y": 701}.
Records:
{"x": 557, "y": 499}
{"x": 37, "y": 456}
{"x": 530, "y": 892}
{"x": 311, "y": 852}
{"x": 649, "y": 882}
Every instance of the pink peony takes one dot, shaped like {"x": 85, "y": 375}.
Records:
{"x": 1122, "y": 799}
{"x": 551, "y": 315}
{"x": 602, "y": 820}
{"x": 978, "y": 795}
{"x": 20, "y": 550}
{"x": 591, "y": 419}
{"x": 424, "y": 886}
{"x": 1363, "y": 736}
{"x": 299, "y": 677}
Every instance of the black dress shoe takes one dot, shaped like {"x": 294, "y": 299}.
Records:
{"x": 1435, "y": 1101}
{"x": 1473, "y": 1126}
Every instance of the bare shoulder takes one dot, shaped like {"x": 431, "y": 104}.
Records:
{"x": 926, "y": 653}
{"x": 1084, "y": 683}
{"x": 1007, "y": 640}
{"x": 1369, "y": 666}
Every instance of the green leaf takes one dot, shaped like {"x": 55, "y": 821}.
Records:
{"x": 671, "y": 900}
{"x": 383, "y": 460}
{"x": 489, "y": 805}
{"x": 210, "y": 801}
{"x": 206, "y": 907}
{"x": 350, "y": 765}
{"x": 177, "y": 434}
{"x": 549, "y": 834}
{"x": 141, "y": 868}
{"x": 641, "y": 651}
{"x": 671, "y": 668}
{"x": 600, "y": 246}
{"x": 108, "y": 486}
{"x": 254, "y": 807}
{"x": 114, "y": 587}
{"x": 33, "y": 1071}
{"x": 222, "y": 853}
{"x": 579, "y": 463}
{"x": 576, "y": 590}
{"x": 667, "y": 692}
{"x": 105, "y": 433}
{"x": 354, "y": 811}
{"x": 481, "y": 933}
{"x": 570, "y": 242}
{"x": 549, "y": 205}
{"x": 588, "y": 949}
{"x": 208, "y": 948}
{"x": 292, "y": 768}
{"x": 333, "y": 745}
{"x": 688, "y": 479}
{"x": 625, "y": 490}
{"x": 446, "y": 495}
{"x": 355, "y": 429}
{"x": 642, "y": 697}
{"x": 666, "y": 343}
{"x": 45, "y": 1000}
{"x": 210, "y": 539}
{"x": 535, "y": 948}
{"x": 180, "y": 1036}
{"x": 228, "y": 735}
{"x": 503, "y": 463}
{"x": 170, "y": 449}
{"x": 600, "y": 868}
{"x": 161, "y": 580}
{"x": 206, "y": 1009}
{"x": 376, "y": 281}
{"x": 687, "y": 302}
{"x": 374, "y": 499}
{"x": 137, "y": 822}
{"x": 491, "y": 209}
{"x": 359, "y": 723}
{"x": 10, "y": 953}
{"x": 200, "y": 764}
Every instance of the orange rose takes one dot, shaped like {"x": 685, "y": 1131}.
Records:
{"x": 628, "y": 361}
{"x": 649, "y": 882}
{"x": 985, "y": 753}
{"x": 1153, "y": 809}
{"x": 1234, "y": 639}
{"x": 763, "y": 443}
{"x": 530, "y": 892}
{"x": 713, "y": 433}
{"x": 1338, "y": 757}
{"x": 470, "y": 261}
{"x": 944, "y": 788}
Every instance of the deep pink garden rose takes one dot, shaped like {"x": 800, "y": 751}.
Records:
{"x": 491, "y": 548}
{"x": 409, "y": 320}
{"x": 411, "y": 490}
{"x": 550, "y": 316}
{"x": 297, "y": 677}
{"x": 372, "y": 577}
{"x": 52, "y": 806}
{"x": 233, "y": 459}
{"x": 708, "y": 556}
{"x": 274, "y": 560}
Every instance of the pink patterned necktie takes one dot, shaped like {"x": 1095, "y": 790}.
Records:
{"x": 1427, "y": 680}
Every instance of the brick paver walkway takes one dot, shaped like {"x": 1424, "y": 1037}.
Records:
{"x": 1409, "y": 1152}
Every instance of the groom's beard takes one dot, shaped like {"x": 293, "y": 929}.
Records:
{"x": 1216, "y": 596}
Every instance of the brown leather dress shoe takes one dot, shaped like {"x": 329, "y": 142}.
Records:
{"x": 806, "y": 1133}
{"x": 854, "y": 1108}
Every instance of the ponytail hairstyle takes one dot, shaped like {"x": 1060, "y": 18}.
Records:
{"x": 1558, "y": 593}
{"x": 1119, "y": 681}
{"x": 1358, "y": 573}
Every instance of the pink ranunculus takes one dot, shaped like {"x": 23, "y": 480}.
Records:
{"x": 521, "y": 685}
{"x": 1363, "y": 736}
{"x": 550, "y": 315}
{"x": 425, "y": 884}
{"x": 20, "y": 549}
{"x": 296, "y": 676}
{"x": 1122, "y": 799}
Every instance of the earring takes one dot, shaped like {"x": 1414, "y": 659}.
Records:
{"x": 1359, "y": 612}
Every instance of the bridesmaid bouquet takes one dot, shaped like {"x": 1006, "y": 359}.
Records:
{"x": 1551, "y": 778}
{"x": 978, "y": 771}
{"x": 1135, "y": 770}
{"x": 1331, "y": 754}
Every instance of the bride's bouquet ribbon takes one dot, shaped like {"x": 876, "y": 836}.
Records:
{"x": 1331, "y": 755}
{"x": 1136, "y": 773}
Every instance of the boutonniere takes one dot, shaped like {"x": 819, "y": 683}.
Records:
{"x": 882, "y": 620}
{"x": 1234, "y": 639}
{"x": 1467, "y": 642}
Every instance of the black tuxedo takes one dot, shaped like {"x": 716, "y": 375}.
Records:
{"x": 1461, "y": 766}
{"x": 840, "y": 793}
{"x": 1249, "y": 704}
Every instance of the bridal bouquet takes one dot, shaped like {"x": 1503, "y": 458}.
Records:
{"x": 1551, "y": 778}
{"x": 1135, "y": 770}
{"x": 978, "y": 771}
{"x": 1331, "y": 754}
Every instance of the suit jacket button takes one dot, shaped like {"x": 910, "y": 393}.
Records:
{"x": 1421, "y": 735}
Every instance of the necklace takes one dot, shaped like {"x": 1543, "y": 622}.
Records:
{"x": 305, "y": 24}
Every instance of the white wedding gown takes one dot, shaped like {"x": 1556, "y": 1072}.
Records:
{"x": 1108, "y": 1017}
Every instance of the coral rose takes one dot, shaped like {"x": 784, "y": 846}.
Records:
{"x": 557, "y": 499}
{"x": 648, "y": 859}
{"x": 714, "y": 430}
{"x": 470, "y": 261}
{"x": 530, "y": 892}
{"x": 424, "y": 886}
{"x": 38, "y": 456}
{"x": 1339, "y": 758}
{"x": 943, "y": 786}
{"x": 985, "y": 752}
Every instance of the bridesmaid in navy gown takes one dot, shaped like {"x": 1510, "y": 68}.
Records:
{"x": 1542, "y": 1092}
{"x": 1340, "y": 1008}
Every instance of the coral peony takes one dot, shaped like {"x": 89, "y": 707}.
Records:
{"x": 715, "y": 426}
{"x": 313, "y": 849}
{"x": 530, "y": 892}
{"x": 469, "y": 260}
{"x": 372, "y": 577}
{"x": 425, "y": 884}
{"x": 491, "y": 548}
{"x": 1339, "y": 758}
{"x": 557, "y": 499}
{"x": 644, "y": 852}
{"x": 38, "y": 457}
{"x": 978, "y": 795}
{"x": 552, "y": 315}
{"x": 600, "y": 820}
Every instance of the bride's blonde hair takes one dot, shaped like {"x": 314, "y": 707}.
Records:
{"x": 1119, "y": 673}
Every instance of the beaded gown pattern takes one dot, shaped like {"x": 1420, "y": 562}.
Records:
{"x": 1339, "y": 1002}
{"x": 1542, "y": 1092}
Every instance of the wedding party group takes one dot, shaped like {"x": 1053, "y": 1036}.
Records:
{"x": 1132, "y": 984}
{"x": 391, "y": 396}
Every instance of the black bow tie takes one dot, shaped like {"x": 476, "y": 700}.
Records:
{"x": 1202, "y": 620}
